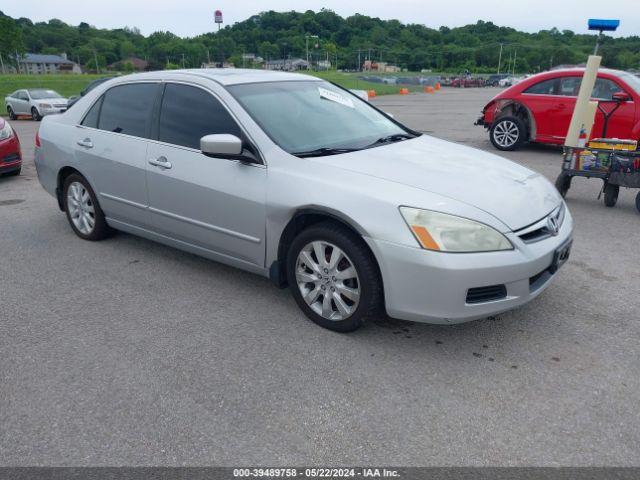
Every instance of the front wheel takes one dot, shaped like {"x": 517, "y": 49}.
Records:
{"x": 507, "y": 133}
{"x": 333, "y": 277}
{"x": 35, "y": 116}
{"x": 611, "y": 195}
{"x": 12, "y": 114}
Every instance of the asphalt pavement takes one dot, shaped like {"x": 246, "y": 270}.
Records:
{"x": 126, "y": 352}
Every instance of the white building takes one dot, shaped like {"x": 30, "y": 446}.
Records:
{"x": 33, "y": 63}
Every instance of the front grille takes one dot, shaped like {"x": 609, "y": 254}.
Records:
{"x": 486, "y": 294}
{"x": 539, "y": 230}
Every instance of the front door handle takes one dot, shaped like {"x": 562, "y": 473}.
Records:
{"x": 86, "y": 143}
{"x": 161, "y": 162}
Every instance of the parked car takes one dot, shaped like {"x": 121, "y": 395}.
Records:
{"x": 466, "y": 82}
{"x": 36, "y": 102}
{"x": 494, "y": 80}
{"x": 539, "y": 108}
{"x": 299, "y": 180}
{"x": 87, "y": 89}
{"x": 10, "y": 154}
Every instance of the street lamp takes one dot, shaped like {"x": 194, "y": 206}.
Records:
{"x": 307, "y": 36}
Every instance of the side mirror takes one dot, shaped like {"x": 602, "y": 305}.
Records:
{"x": 221, "y": 145}
{"x": 227, "y": 146}
{"x": 621, "y": 97}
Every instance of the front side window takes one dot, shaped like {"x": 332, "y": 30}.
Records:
{"x": 127, "y": 109}
{"x": 604, "y": 89}
{"x": 303, "y": 116}
{"x": 548, "y": 87}
{"x": 189, "y": 113}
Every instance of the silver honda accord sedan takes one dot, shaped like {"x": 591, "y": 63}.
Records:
{"x": 301, "y": 181}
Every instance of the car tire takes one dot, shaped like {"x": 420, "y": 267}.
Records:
{"x": 83, "y": 210}
{"x": 12, "y": 114}
{"x": 563, "y": 183}
{"x": 352, "y": 299}
{"x": 507, "y": 133}
{"x": 611, "y": 195}
{"x": 35, "y": 115}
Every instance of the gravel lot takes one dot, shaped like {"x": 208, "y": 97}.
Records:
{"x": 125, "y": 352}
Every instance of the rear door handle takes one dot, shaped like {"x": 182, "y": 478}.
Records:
{"x": 86, "y": 143}
{"x": 161, "y": 162}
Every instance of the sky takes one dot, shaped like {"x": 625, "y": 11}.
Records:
{"x": 192, "y": 17}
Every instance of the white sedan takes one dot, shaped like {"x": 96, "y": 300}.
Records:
{"x": 36, "y": 102}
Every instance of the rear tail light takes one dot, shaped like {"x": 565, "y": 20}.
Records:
{"x": 37, "y": 139}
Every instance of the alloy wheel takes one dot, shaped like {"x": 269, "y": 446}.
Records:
{"x": 506, "y": 133}
{"x": 81, "y": 209}
{"x": 328, "y": 280}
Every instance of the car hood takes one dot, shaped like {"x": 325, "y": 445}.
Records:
{"x": 511, "y": 193}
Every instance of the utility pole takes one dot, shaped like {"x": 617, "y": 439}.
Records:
{"x": 499, "y": 59}
{"x": 95, "y": 57}
{"x": 359, "y": 63}
{"x": 2, "y": 63}
{"x": 515, "y": 56}
{"x": 183, "y": 61}
{"x": 208, "y": 57}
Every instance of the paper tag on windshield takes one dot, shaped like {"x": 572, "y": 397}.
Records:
{"x": 335, "y": 97}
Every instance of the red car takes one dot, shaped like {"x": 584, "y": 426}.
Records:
{"x": 539, "y": 108}
{"x": 10, "y": 155}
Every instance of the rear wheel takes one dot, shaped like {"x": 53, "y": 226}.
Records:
{"x": 83, "y": 211}
{"x": 333, "y": 277}
{"x": 507, "y": 133}
{"x": 35, "y": 116}
{"x": 12, "y": 114}
{"x": 611, "y": 195}
{"x": 563, "y": 183}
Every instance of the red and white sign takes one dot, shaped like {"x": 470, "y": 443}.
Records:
{"x": 218, "y": 16}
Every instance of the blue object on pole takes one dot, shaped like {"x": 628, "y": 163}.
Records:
{"x": 603, "y": 25}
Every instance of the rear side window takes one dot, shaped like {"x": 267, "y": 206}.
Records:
{"x": 569, "y": 86}
{"x": 127, "y": 109}
{"x": 91, "y": 118}
{"x": 548, "y": 87}
{"x": 189, "y": 113}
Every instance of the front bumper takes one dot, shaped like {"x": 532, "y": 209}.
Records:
{"x": 432, "y": 287}
{"x": 51, "y": 111}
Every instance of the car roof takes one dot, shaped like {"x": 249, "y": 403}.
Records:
{"x": 226, "y": 76}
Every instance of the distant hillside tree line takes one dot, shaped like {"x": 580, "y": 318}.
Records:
{"x": 345, "y": 41}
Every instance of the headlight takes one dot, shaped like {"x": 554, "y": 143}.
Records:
{"x": 6, "y": 131}
{"x": 448, "y": 233}
{"x": 46, "y": 106}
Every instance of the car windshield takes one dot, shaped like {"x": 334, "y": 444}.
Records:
{"x": 632, "y": 81}
{"x": 305, "y": 117}
{"x": 42, "y": 93}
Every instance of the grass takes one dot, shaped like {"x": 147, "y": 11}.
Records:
{"x": 65, "y": 84}
{"x": 351, "y": 80}
{"x": 69, "y": 84}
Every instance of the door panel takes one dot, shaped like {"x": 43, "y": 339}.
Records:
{"x": 115, "y": 166}
{"x": 111, "y": 149}
{"x": 213, "y": 203}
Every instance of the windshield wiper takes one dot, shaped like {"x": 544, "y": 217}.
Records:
{"x": 323, "y": 152}
{"x": 396, "y": 137}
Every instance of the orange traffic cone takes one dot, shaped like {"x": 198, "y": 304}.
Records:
{"x": 404, "y": 91}
{"x": 371, "y": 93}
